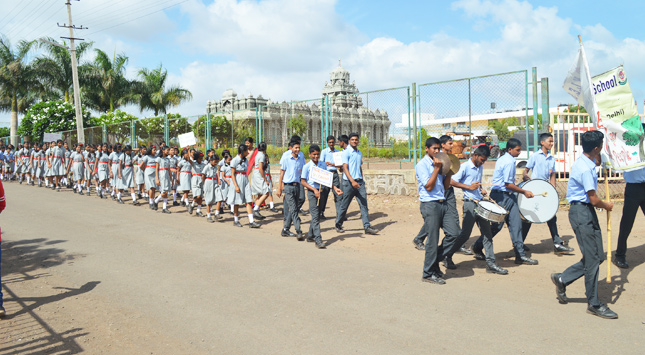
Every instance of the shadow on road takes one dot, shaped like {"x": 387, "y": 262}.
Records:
{"x": 635, "y": 256}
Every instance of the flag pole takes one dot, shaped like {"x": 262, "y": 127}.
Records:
{"x": 608, "y": 198}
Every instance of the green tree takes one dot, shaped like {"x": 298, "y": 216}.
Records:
{"x": 18, "y": 80}
{"x": 220, "y": 129}
{"x": 241, "y": 130}
{"x": 55, "y": 69}
{"x": 501, "y": 130}
{"x": 298, "y": 125}
{"x": 151, "y": 93}
{"x": 5, "y": 132}
{"x": 106, "y": 87}
{"x": 50, "y": 117}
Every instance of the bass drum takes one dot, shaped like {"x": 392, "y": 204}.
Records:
{"x": 541, "y": 208}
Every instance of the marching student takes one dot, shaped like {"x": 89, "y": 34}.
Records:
{"x": 140, "y": 177}
{"x": 163, "y": 178}
{"x": 225, "y": 176}
{"x": 301, "y": 195}
{"x": 327, "y": 157}
{"x": 313, "y": 190}
{"x": 90, "y": 163}
{"x": 3, "y": 204}
{"x": 102, "y": 170}
{"x": 581, "y": 194}
{"x": 260, "y": 181}
{"x": 66, "y": 180}
{"x": 354, "y": 186}
{"x": 114, "y": 169}
{"x": 212, "y": 192}
{"x": 174, "y": 161}
{"x": 76, "y": 164}
{"x": 240, "y": 192}
{"x": 148, "y": 163}
{"x": 22, "y": 163}
{"x": 184, "y": 177}
{"x": 56, "y": 163}
{"x": 542, "y": 163}
{"x": 469, "y": 179}
{"x": 290, "y": 173}
{"x": 197, "y": 183}
{"x": 126, "y": 175}
{"x": 433, "y": 207}
{"x": 39, "y": 164}
{"x": 49, "y": 173}
{"x": 504, "y": 193}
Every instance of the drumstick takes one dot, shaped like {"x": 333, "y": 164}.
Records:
{"x": 608, "y": 229}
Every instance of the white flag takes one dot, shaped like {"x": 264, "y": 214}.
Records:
{"x": 578, "y": 85}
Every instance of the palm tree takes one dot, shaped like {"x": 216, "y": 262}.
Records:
{"x": 106, "y": 87}
{"x": 152, "y": 95}
{"x": 56, "y": 69}
{"x": 18, "y": 80}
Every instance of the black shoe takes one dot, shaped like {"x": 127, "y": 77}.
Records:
{"x": 493, "y": 268}
{"x": 447, "y": 262}
{"x": 81, "y": 193}
{"x": 418, "y": 244}
{"x": 74, "y": 190}
{"x": 303, "y": 212}
{"x": 199, "y": 214}
{"x": 310, "y": 239}
{"x": 299, "y": 236}
{"x": 339, "y": 229}
{"x": 256, "y": 214}
{"x": 371, "y": 231}
{"x": 525, "y": 260}
{"x": 561, "y": 248}
{"x": 238, "y": 224}
{"x": 602, "y": 311}
{"x": 621, "y": 262}
{"x": 218, "y": 216}
{"x": 175, "y": 203}
{"x": 155, "y": 206}
{"x": 274, "y": 210}
{"x": 321, "y": 245}
{"x": 322, "y": 217}
{"x": 434, "y": 279}
{"x": 286, "y": 233}
{"x": 465, "y": 251}
{"x": 478, "y": 252}
{"x": 150, "y": 206}
{"x": 135, "y": 203}
{"x": 254, "y": 225}
{"x": 210, "y": 220}
{"x": 560, "y": 288}
{"x": 118, "y": 200}
{"x": 2, "y": 312}
{"x": 165, "y": 210}
{"x": 190, "y": 208}
{"x": 526, "y": 248}
{"x": 113, "y": 197}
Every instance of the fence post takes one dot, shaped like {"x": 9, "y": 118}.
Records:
{"x": 166, "y": 131}
{"x": 133, "y": 140}
{"x": 546, "y": 115}
{"x": 104, "y": 133}
{"x": 207, "y": 133}
{"x": 535, "y": 111}
{"x": 414, "y": 117}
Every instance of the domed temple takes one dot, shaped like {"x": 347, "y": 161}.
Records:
{"x": 347, "y": 113}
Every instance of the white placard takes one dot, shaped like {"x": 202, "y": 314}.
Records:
{"x": 338, "y": 159}
{"x": 321, "y": 176}
{"x": 187, "y": 139}
{"x": 52, "y": 137}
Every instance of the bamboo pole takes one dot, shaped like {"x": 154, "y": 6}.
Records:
{"x": 608, "y": 198}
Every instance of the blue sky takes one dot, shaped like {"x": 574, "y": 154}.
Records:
{"x": 285, "y": 49}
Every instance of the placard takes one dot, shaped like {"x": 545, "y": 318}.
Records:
{"x": 187, "y": 139}
{"x": 52, "y": 137}
{"x": 338, "y": 159}
{"x": 322, "y": 176}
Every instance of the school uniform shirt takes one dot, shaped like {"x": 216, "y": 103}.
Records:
{"x": 542, "y": 165}
{"x": 504, "y": 172}
{"x": 354, "y": 159}
{"x": 77, "y": 165}
{"x": 244, "y": 196}
{"x": 635, "y": 176}
{"x": 258, "y": 185}
{"x": 292, "y": 168}
{"x": 127, "y": 174}
{"x": 424, "y": 170}
{"x": 212, "y": 192}
{"x": 90, "y": 164}
{"x": 327, "y": 156}
{"x": 58, "y": 157}
{"x": 185, "y": 175}
{"x": 468, "y": 174}
{"x": 164, "y": 174}
{"x": 197, "y": 182}
{"x": 103, "y": 167}
{"x": 150, "y": 165}
{"x": 582, "y": 179}
{"x": 307, "y": 175}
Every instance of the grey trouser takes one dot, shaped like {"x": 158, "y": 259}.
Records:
{"x": 452, "y": 216}
{"x": 324, "y": 194}
{"x": 314, "y": 226}
{"x": 469, "y": 220}
{"x": 553, "y": 228}
{"x": 349, "y": 192}
{"x": 291, "y": 196}
{"x": 509, "y": 202}
{"x": 433, "y": 213}
{"x": 634, "y": 198}
{"x": 301, "y": 197}
{"x": 584, "y": 223}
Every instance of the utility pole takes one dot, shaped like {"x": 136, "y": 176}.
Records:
{"x": 77, "y": 90}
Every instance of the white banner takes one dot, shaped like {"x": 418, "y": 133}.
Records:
{"x": 187, "y": 139}
{"x": 322, "y": 176}
{"x": 52, "y": 137}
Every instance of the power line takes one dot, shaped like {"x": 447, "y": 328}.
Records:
{"x": 134, "y": 19}
{"x": 116, "y": 14}
{"x": 17, "y": 15}
{"x": 37, "y": 19}
{"x": 43, "y": 23}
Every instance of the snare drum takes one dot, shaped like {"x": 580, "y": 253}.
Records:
{"x": 541, "y": 208}
{"x": 490, "y": 211}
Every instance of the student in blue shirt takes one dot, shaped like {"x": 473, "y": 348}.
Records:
{"x": 634, "y": 198}
{"x": 503, "y": 192}
{"x": 469, "y": 178}
{"x": 290, "y": 173}
{"x": 543, "y": 165}
{"x": 301, "y": 197}
{"x": 314, "y": 191}
{"x": 433, "y": 206}
{"x": 353, "y": 186}
{"x": 327, "y": 157}
{"x": 581, "y": 194}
